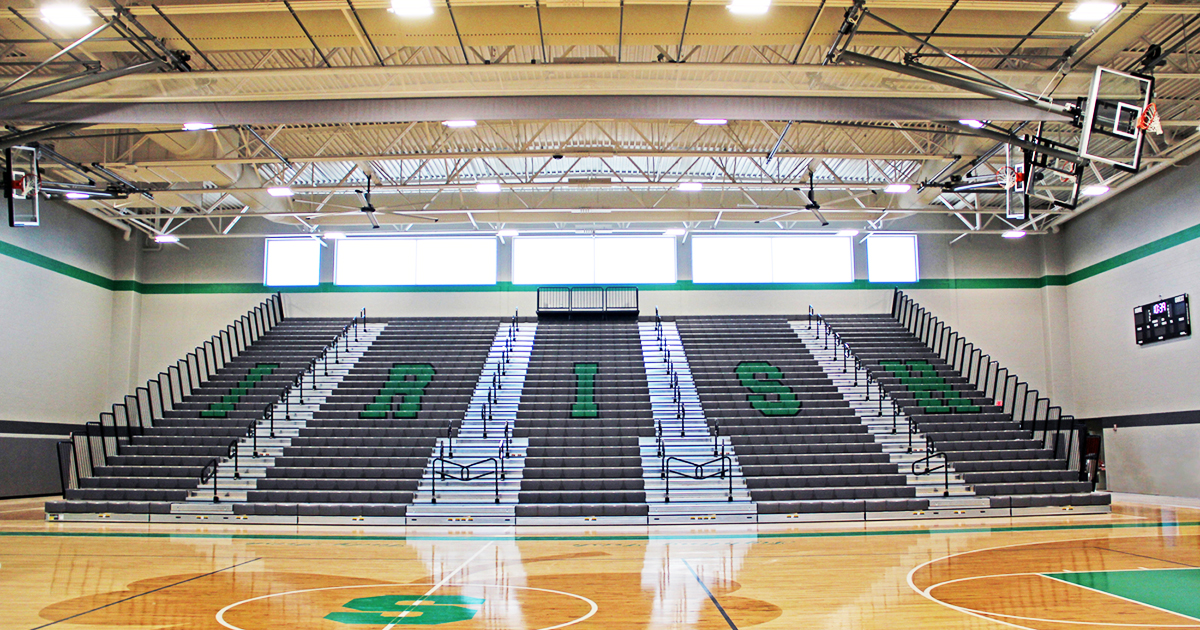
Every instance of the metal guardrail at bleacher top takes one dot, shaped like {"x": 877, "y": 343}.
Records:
{"x": 567, "y": 300}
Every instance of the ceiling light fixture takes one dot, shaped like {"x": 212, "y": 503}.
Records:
{"x": 748, "y": 7}
{"x": 711, "y": 121}
{"x": 1094, "y": 190}
{"x": 503, "y": 233}
{"x": 487, "y": 187}
{"x": 333, "y": 236}
{"x": 459, "y": 124}
{"x": 412, "y": 8}
{"x": 674, "y": 232}
{"x": 280, "y": 191}
{"x": 197, "y": 126}
{"x": 897, "y": 189}
{"x": 691, "y": 186}
{"x": 847, "y": 233}
{"x": 1014, "y": 234}
{"x": 166, "y": 238}
{"x": 972, "y": 123}
{"x": 65, "y": 14}
{"x": 77, "y": 195}
{"x": 1092, "y": 11}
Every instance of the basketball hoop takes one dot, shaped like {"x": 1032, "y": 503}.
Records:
{"x": 1149, "y": 120}
{"x": 1009, "y": 177}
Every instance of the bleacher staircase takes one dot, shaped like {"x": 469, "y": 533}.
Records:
{"x": 703, "y": 486}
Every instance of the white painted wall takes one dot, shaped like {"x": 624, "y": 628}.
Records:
{"x": 56, "y": 337}
{"x": 1112, "y": 375}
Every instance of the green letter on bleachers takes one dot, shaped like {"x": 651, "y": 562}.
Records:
{"x": 762, "y": 378}
{"x": 585, "y": 391}
{"x": 404, "y": 388}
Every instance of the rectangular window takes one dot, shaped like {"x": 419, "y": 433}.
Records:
{"x": 293, "y": 262}
{"x": 892, "y": 258}
{"x": 593, "y": 260}
{"x": 772, "y": 259}
{"x": 415, "y": 261}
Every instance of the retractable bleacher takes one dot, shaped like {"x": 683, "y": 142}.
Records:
{"x": 365, "y": 449}
{"x": 997, "y": 457}
{"x": 584, "y": 405}
{"x": 803, "y": 452}
{"x": 163, "y": 465}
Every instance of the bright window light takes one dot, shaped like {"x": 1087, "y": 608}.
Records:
{"x": 443, "y": 261}
{"x": 1014, "y": 234}
{"x": 636, "y": 260}
{"x": 412, "y": 8}
{"x": 375, "y": 261}
{"x": 897, "y": 189}
{"x": 166, "y": 238}
{"x": 847, "y": 232}
{"x": 280, "y": 191}
{"x": 711, "y": 121}
{"x": 1092, "y": 11}
{"x": 798, "y": 258}
{"x": 812, "y": 259}
{"x": 554, "y": 260}
{"x": 333, "y": 236}
{"x": 721, "y": 259}
{"x": 197, "y": 126}
{"x": 65, "y": 14}
{"x": 594, "y": 260}
{"x": 691, "y": 186}
{"x": 293, "y": 262}
{"x": 1094, "y": 190}
{"x": 892, "y": 258}
{"x": 487, "y": 187}
{"x": 674, "y": 232}
{"x": 459, "y": 124}
{"x": 503, "y": 233}
{"x": 974, "y": 124}
{"x": 749, "y": 7}
{"x": 415, "y": 261}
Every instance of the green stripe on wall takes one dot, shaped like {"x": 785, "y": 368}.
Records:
{"x": 1137, "y": 253}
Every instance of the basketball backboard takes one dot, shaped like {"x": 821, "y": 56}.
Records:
{"x": 1110, "y": 132}
{"x": 21, "y": 186}
{"x": 1050, "y": 181}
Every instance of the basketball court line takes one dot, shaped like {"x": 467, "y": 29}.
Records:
{"x": 750, "y": 535}
{"x": 1178, "y": 614}
{"x": 220, "y": 617}
{"x": 990, "y": 614}
{"x": 191, "y": 579}
{"x": 1138, "y": 555}
{"x": 440, "y": 584}
{"x": 711, "y": 597}
{"x": 912, "y": 585}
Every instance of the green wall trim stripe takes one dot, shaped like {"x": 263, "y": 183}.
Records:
{"x": 1137, "y": 253}
{"x": 752, "y": 535}
{"x": 45, "y": 262}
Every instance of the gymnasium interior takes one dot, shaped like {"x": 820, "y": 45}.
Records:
{"x": 599, "y": 314}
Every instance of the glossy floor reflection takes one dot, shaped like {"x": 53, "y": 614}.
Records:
{"x": 1131, "y": 569}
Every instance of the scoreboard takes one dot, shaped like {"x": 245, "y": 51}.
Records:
{"x": 1162, "y": 320}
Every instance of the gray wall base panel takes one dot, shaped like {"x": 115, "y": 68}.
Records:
{"x": 28, "y": 467}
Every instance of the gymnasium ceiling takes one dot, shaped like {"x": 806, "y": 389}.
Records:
{"x": 585, "y": 111}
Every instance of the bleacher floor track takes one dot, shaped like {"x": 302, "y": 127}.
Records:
{"x": 1138, "y": 567}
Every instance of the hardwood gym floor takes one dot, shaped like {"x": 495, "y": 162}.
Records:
{"x": 1136, "y": 568}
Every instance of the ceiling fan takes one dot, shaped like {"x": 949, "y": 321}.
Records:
{"x": 370, "y": 210}
{"x": 367, "y": 208}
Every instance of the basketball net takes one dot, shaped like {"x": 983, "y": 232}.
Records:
{"x": 1009, "y": 178}
{"x": 1149, "y": 120}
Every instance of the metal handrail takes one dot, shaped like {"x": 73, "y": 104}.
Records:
{"x": 465, "y": 470}
{"x": 944, "y": 467}
{"x": 210, "y": 472}
{"x": 725, "y": 472}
